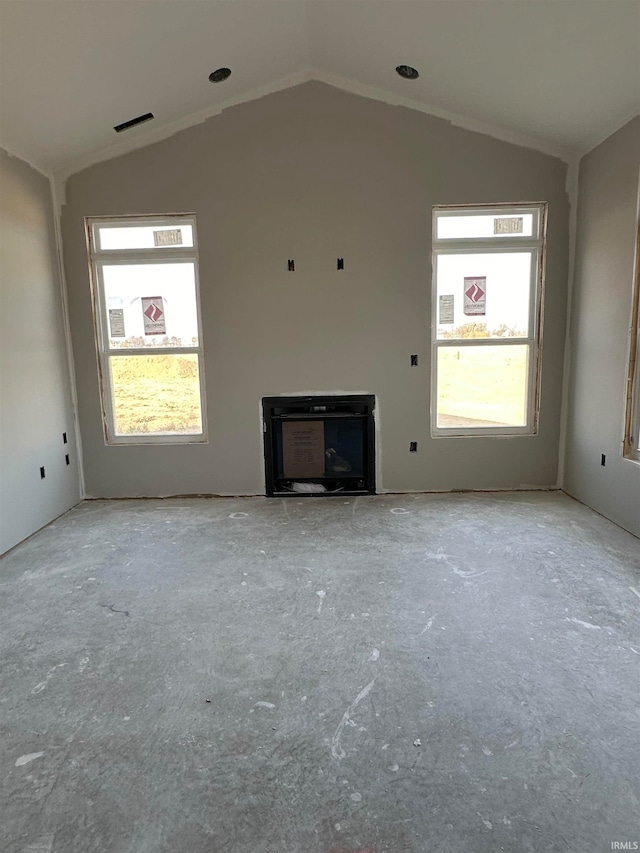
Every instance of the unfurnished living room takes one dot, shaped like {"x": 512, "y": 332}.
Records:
{"x": 320, "y": 426}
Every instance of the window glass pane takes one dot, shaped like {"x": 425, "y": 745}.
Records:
{"x": 156, "y": 394}
{"x": 482, "y": 386}
{"x": 151, "y": 305}
{"x": 145, "y": 236}
{"x": 483, "y": 295}
{"x": 459, "y": 226}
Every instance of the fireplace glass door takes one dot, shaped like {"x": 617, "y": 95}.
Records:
{"x": 319, "y": 445}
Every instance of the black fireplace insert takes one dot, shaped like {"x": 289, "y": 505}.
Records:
{"x": 320, "y": 445}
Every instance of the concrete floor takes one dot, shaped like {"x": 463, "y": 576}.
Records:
{"x": 445, "y": 673}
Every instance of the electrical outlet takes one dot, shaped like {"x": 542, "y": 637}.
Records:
{"x": 42, "y": 473}
{"x": 413, "y": 447}
{"x": 414, "y": 361}
{"x": 603, "y": 460}
{"x": 66, "y": 459}
{"x": 64, "y": 438}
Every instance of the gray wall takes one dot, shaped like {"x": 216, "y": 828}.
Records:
{"x": 601, "y": 315}
{"x": 35, "y": 399}
{"x": 314, "y": 173}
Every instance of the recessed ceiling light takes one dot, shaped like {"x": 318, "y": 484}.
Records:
{"x": 407, "y": 72}
{"x": 219, "y": 75}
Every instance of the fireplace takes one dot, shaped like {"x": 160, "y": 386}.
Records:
{"x": 320, "y": 445}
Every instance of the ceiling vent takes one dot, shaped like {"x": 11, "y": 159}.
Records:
{"x": 133, "y": 122}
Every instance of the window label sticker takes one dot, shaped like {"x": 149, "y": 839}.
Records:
{"x": 116, "y": 322}
{"x": 153, "y": 315}
{"x": 168, "y": 237}
{"x": 475, "y": 296}
{"x": 508, "y": 225}
{"x": 446, "y": 305}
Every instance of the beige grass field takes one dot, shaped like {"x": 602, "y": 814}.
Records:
{"x": 160, "y": 394}
{"x": 156, "y": 394}
{"x": 485, "y": 384}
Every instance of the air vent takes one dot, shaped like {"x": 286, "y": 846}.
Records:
{"x": 133, "y": 122}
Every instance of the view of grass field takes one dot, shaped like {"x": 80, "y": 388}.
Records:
{"x": 156, "y": 394}
{"x": 477, "y": 386}
{"x": 482, "y": 386}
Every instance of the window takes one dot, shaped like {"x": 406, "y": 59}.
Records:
{"x": 632, "y": 425}
{"x": 486, "y": 319}
{"x": 144, "y": 275}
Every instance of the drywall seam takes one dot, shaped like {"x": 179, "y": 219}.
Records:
{"x": 149, "y": 136}
{"x": 572, "y": 191}
{"x": 612, "y": 127}
{"x": 465, "y": 122}
{"x": 39, "y": 530}
{"x": 67, "y": 333}
{"x": 38, "y": 167}
{"x": 60, "y": 193}
{"x": 597, "y": 512}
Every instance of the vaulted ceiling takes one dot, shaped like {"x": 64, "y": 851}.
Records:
{"x": 555, "y": 74}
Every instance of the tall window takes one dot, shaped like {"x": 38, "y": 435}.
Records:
{"x": 632, "y": 430}
{"x": 144, "y": 274}
{"x": 487, "y": 319}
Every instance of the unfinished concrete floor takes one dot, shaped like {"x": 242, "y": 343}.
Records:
{"x": 394, "y": 673}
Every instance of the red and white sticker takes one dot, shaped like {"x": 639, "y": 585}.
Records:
{"x": 153, "y": 315}
{"x": 475, "y": 295}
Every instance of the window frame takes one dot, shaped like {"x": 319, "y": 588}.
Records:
{"x": 98, "y": 259}
{"x": 497, "y": 244}
{"x": 631, "y": 443}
